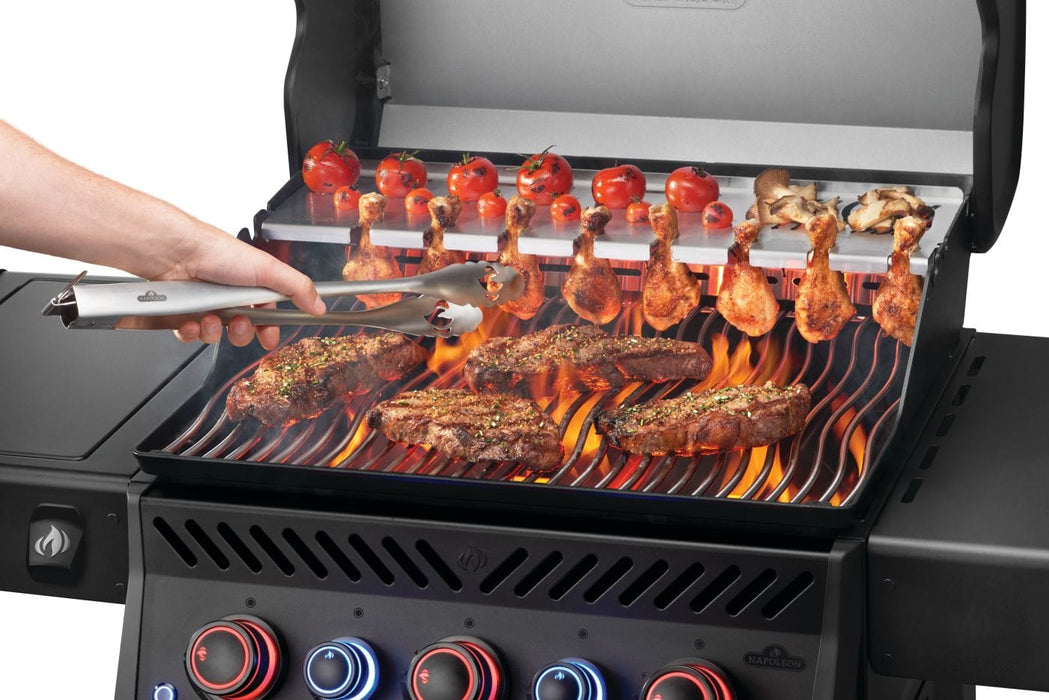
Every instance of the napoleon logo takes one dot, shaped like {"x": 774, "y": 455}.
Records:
{"x": 52, "y": 544}
{"x": 152, "y": 296}
{"x": 776, "y": 657}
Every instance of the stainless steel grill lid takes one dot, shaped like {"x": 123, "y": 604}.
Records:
{"x": 889, "y": 88}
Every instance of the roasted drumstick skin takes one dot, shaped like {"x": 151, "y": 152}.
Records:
{"x": 670, "y": 291}
{"x": 897, "y": 300}
{"x": 823, "y": 306}
{"x": 745, "y": 298}
{"x": 371, "y": 262}
{"x": 444, "y": 213}
{"x": 519, "y": 212}
{"x": 591, "y": 287}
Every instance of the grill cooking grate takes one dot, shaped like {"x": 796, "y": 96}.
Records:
{"x": 856, "y": 382}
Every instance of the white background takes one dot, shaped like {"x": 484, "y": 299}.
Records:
{"x": 185, "y": 101}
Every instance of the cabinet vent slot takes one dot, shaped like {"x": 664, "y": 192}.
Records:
{"x": 643, "y": 583}
{"x": 438, "y": 564}
{"x": 502, "y": 572}
{"x": 576, "y": 574}
{"x": 536, "y": 576}
{"x": 175, "y": 542}
{"x": 239, "y": 547}
{"x": 272, "y": 550}
{"x": 610, "y": 578}
{"x": 207, "y": 544}
{"x": 714, "y": 589}
{"x": 371, "y": 559}
{"x": 305, "y": 553}
{"x": 337, "y": 556}
{"x": 750, "y": 593}
{"x": 679, "y": 585}
{"x": 405, "y": 562}
{"x": 786, "y": 597}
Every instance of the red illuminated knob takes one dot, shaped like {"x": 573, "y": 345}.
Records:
{"x": 237, "y": 657}
{"x": 689, "y": 679}
{"x": 456, "y": 668}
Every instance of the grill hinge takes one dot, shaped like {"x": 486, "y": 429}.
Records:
{"x": 382, "y": 83}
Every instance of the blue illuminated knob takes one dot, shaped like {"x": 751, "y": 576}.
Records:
{"x": 343, "y": 669}
{"x": 569, "y": 679}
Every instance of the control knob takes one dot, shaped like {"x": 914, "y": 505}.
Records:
{"x": 569, "y": 679}
{"x": 343, "y": 669}
{"x": 689, "y": 679}
{"x": 456, "y": 668}
{"x": 238, "y": 657}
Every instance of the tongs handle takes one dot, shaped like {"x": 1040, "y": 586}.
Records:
{"x": 416, "y": 315}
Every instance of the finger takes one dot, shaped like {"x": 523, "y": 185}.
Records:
{"x": 289, "y": 281}
{"x": 269, "y": 336}
{"x": 210, "y": 329}
{"x": 240, "y": 331}
{"x": 188, "y": 332}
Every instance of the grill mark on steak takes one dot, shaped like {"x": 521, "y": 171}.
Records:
{"x": 581, "y": 356}
{"x": 472, "y": 427}
{"x": 302, "y": 380}
{"x": 716, "y": 419}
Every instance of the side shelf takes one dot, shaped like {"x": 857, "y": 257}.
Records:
{"x": 958, "y": 566}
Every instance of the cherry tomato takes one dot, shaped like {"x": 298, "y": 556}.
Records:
{"x": 690, "y": 188}
{"x": 637, "y": 211}
{"x": 544, "y": 177}
{"x": 399, "y": 173}
{"x": 471, "y": 177}
{"x": 491, "y": 204}
{"x": 346, "y": 198}
{"x": 717, "y": 215}
{"x": 615, "y": 187}
{"x": 565, "y": 208}
{"x": 415, "y": 202}
{"x": 328, "y": 166}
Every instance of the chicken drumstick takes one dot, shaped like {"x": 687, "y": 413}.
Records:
{"x": 369, "y": 262}
{"x": 444, "y": 212}
{"x": 519, "y": 213}
{"x": 745, "y": 298}
{"x": 670, "y": 291}
{"x": 897, "y": 300}
{"x": 591, "y": 287}
{"x": 823, "y": 306}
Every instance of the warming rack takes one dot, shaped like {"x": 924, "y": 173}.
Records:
{"x": 308, "y": 217}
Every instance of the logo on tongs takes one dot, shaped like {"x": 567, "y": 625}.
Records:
{"x": 152, "y": 296}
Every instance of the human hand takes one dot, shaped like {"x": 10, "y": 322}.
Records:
{"x": 211, "y": 255}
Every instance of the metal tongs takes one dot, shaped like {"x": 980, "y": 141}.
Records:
{"x": 448, "y": 304}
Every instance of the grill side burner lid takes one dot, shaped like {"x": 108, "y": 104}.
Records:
{"x": 930, "y": 87}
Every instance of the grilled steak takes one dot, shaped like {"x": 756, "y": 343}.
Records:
{"x": 721, "y": 419}
{"x": 581, "y": 356}
{"x": 471, "y": 426}
{"x": 303, "y": 379}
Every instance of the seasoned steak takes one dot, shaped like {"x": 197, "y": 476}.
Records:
{"x": 470, "y": 426}
{"x": 301, "y": 380}
{"x": 717, "y": 419}
{"x": 582, "y": 356}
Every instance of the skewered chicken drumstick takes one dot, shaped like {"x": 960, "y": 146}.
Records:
{"x": 823, "y": 306}
{"x": 370, "y": 262}
{"x": 444, "y": 212}
{"x": 746, "y": 299}
{"x": 519, "y": 213}
{"x": 670, "y": 290}
{"x": 591, "y": 287}
{"x": 897, "y": 300}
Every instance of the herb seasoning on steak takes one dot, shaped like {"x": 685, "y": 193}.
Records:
{"x": 473, "y": 427}
{"x": 581, "y": 355}
{"x": 300, "y": 381}
{"x": 716, "y": 419}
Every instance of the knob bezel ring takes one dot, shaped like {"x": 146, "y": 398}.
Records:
{"x": 243, "y": 676}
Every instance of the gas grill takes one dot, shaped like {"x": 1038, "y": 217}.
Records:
{"x": 863, "y": 557}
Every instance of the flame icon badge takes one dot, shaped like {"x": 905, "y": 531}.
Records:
{"x": 52, "y": 544}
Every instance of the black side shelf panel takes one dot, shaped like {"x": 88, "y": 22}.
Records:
{"x": 959, "y": 558}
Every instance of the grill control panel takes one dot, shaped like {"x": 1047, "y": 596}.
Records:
{"x": 293, "y": 605}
